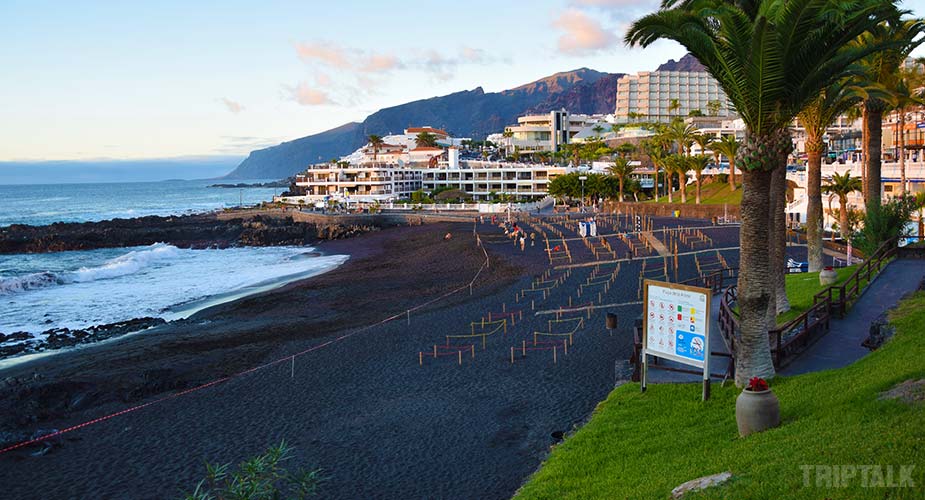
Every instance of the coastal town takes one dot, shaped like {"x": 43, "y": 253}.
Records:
{"x": 697, "y": 278}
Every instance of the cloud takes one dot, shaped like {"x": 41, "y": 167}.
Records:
{"x": 233, "y": 106}
{"x": 323, "y": 80}
{"x": 325, "y": 52}
{"x": 380, "y": 63}
{"x": 308, "y": 96}
{"x": 582, "y": 33}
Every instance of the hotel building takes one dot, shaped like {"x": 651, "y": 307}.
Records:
{"x": 649, "y": 96}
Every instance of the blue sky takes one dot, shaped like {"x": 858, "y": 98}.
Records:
{"x": 129, "y": 80}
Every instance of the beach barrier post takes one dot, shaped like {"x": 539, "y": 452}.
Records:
{"x": 435, "y": 351}
{"x": 523, "y": 352}
{"x": 472, "y": 348}
{"x": 421, "y": 358}
{"x": 460, "y": 357}
{"x": 512, "y": 355}
{"x": 292, "y": 373}
{"x": 408, "y": 313}
{"x": 554, "y": 361}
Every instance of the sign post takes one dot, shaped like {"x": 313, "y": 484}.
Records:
{"x": 676, "y": 326}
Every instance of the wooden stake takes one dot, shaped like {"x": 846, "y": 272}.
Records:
{"x": 421, "y": 358}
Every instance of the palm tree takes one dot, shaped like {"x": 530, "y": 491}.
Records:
{"x": 697, "y": 163}
{"x": 842, "y": 185}
{"x": 728, "y": 146}
{"x": 771, "y": 57}
{"x": 704, "y": 141}
{"x": 815, "y": 118}
{"x": 425, "y": 139}
{"x": 675, "y": 164}
{"x": 904, "y": 97}
{"x": 375, "y": 142}
{"x": 621, "y": 169}
{"x": 683, "y": 134}
{"x": 673, "y": 105}
{"x": 625, "y": 149}
{"x": 899, "y": 37}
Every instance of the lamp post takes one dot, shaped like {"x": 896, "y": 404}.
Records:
{"x": 583, "y": 178}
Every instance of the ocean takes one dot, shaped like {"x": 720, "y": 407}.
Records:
{"x": 77, "y": 289}
{"x": 47, "y": 203}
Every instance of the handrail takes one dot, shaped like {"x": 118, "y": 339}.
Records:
{"x": 834, "y": 298}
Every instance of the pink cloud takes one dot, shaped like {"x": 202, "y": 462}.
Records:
{"x": 233, "y": 106}
{"x": 378, "y": 63}
{"x": 308, "y": 96}
{"x": 325, "y": 52}
{"x": 582, "y": 33}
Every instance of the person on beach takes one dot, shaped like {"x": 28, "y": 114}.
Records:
{"x": 448, "y": 236}
{"x": 523, "y": 243}
{"x": 532, "y": 239}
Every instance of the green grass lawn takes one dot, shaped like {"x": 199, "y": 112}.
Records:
{"x": 715, "y": 193}
{"x": 801, "y": 287}
{"x": 643, "y": 445}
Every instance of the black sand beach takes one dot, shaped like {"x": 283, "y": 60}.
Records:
{"x": 360, "y": 407}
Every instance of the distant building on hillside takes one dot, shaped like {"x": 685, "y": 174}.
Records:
{"x": 660, "y": 96}
{"x": 549, "y": 132}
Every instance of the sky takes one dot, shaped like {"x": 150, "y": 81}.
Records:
{"x": 119, "y": 80}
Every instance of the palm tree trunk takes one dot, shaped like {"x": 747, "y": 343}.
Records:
{"x": 873, "y": 147}
{"x": 621, "y": 189}
{"x": 753, "y": 353}
{"x": 682, "y": 184}
{"x": 814, "y": 204}
{"x": 902, "y": 153}
{"x": 865, "y": 133}
{"x": 668, "y": 176}
{"x": 697, "y": 201}
{"x": 732, "y": 174}
{"x": 778, "y": 242}
{"x": 843, "y": 216}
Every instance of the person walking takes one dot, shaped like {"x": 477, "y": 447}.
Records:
{"x": 532, "y": 239}
{"x": 523, "y": 242}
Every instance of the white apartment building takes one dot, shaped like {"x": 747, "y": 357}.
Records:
{"x": 355, "y": 183}
{"x": 479, "y": 179}
{"x": 649, "y": 95}
{"x": 550, "y": 131}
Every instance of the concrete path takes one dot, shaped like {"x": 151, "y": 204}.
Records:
{"x": 841, "y": 346}
{"x": 657, "y": 245}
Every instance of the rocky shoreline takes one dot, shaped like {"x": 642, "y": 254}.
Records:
{"x": 190, "y": 231}
{"x": 21, "y": 343}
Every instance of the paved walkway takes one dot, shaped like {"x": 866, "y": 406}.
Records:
{"x": 841, "y": 346}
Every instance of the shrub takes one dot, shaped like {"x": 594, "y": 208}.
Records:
{"x": 259, "y": 478}
{"x": 884, "y": 222}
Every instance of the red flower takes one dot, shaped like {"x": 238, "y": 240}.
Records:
{"x": 757, "y": 384}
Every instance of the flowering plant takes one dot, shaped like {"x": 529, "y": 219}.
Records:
{"x": 757, "y": 384}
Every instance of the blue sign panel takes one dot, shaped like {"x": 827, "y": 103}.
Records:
{"x": 690, "y": 345}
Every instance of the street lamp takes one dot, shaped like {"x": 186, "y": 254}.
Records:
{"x": 583, "y": 178}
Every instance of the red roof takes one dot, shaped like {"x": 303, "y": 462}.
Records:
{"x": 418, "y": 130}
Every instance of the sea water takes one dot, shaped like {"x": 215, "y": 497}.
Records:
{"x": 48, "y": 203}
{"x": 77, "y": 289}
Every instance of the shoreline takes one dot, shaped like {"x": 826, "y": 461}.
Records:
{"x": 172, "y": 314}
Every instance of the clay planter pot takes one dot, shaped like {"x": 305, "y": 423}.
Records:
{"x": 757, "y": 411}
{"x": 828, "y": 276}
